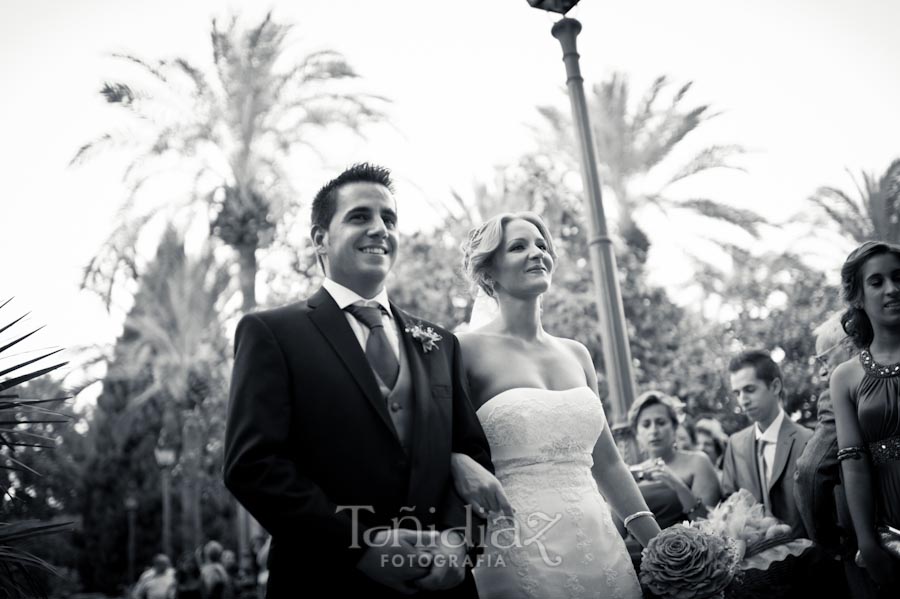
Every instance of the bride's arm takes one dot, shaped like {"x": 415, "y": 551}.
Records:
{"x": 621, "y": 492}
{"x": 478, "y": 487}
{"x": 613, "y": 478}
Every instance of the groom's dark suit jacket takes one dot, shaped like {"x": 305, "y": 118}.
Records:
{"x": 308, "y": 431}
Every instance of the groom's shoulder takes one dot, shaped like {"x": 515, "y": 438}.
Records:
{"x": 279, "y": 314}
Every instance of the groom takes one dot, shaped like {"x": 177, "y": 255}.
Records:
{"x": 342, "y": 415}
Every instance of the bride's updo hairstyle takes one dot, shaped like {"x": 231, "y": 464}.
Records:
{"x": 484, "y": 240}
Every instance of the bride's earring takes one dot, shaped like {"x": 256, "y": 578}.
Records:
{"x": 490, "y": 284}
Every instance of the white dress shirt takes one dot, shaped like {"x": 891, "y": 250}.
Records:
{"x": 770, "y": 436}
{"x": 344, "y": 297}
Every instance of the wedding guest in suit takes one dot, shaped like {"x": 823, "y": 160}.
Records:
{"x": 342, "y": 417}
{"x": 762, "y": 458}
{"x": 818, "y": 490}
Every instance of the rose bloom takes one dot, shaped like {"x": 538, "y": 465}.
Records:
{"x": 685, "y": 563}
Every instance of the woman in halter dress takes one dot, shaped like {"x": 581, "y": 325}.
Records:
{"x": 866, "y": 395}
{"x": 550, "y": 531}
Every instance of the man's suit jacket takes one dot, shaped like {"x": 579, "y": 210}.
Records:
{"x": 308, "y": 432}
{"x": 818, "y": 491}
{"x": 822, "y": 504}
{"x": 740, "y": 470}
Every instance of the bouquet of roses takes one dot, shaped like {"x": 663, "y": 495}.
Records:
{"x": 738, "y": 552}
{"x": 684, "y": 562}
{"x": 741, "y": 518}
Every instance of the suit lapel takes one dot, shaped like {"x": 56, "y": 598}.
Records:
{"x": 332, "y": 323}
{"x": 421, "y": 382}
{"x": 748, "y": 459}
{"x": 782, "y": 450}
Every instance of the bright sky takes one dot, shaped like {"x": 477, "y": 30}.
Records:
{"x": 810, "y": 86}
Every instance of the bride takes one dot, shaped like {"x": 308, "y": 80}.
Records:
{"x": 550, "y": 532}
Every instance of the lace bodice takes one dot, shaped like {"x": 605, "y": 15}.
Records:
{"x": 563, "y": 541}
{"x": 538, "y": 431}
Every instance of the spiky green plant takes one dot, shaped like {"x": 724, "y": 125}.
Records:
{"x": 17, "y": 566}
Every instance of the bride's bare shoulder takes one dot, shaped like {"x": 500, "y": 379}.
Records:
{"x": 475, "y": 341}
{"x": 576, "y": 348}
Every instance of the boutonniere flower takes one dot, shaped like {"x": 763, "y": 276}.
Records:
{"x": 424, "y": 335}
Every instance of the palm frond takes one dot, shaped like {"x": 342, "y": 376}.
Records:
{"x": 843, "y": 212}
{"x": 673, "y": 129}
{"x": 708, "y": 158}
{"x": 646, "y": 109}
{"x": 155, "y": 71}
{"x": 17, "y": 565}
{"x": 90, "y": 148}
{"x": 32, "y": 361}
{"x": 747, "y": 220}
{"x": 117, "y": 93}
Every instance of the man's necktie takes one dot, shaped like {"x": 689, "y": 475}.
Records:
{"x": 761, "y": 445}
{"x": 378, "y": 349}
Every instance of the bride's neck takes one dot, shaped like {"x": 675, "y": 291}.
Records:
{"x": 522, "y": 317}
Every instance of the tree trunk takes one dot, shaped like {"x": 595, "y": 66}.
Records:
{"x": 634, "y": 237}
{"x": 247, "y": 277}
{"x": 246, "y": 525}
{"x": 191, "y": 446}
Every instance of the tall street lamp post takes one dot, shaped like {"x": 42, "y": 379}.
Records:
{"x": 613, "y": 332}
{"x": 131, "y": 505}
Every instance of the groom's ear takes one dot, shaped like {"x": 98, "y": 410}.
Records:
{"x": 319, "y": 237}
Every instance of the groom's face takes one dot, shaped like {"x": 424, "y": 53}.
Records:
{"x": 360, "y": 245}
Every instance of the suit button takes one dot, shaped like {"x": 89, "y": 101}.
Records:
{"x": 395, "y": 406}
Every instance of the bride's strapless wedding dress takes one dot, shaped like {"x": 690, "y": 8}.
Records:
{"x": 562, "y": 541}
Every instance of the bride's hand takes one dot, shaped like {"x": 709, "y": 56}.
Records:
{"x": 478, "y": 487}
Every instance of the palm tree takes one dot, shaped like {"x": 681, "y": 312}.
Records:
{"x": 17, "y": 578}
{"x": 875, "y": 215}
{"x": 228, "y": 132}
{"x": 177, "y": 338}
{"x": 633, "y": 145}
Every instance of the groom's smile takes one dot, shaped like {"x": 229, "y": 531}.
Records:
{"x": 360, "y": 245}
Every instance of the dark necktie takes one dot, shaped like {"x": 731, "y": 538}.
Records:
{"x": 763, "y": 473}
{"x": 378, "y": 349}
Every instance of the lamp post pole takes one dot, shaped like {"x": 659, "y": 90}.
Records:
{"x": 613, "y": 332}
{"x": 131, "y": 507}
{"x": 614, "y": 335}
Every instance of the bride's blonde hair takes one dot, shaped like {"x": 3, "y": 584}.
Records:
{"x": 482, "y": 242}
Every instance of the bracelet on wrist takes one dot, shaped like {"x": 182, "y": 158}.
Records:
{"x": 635, "y": 516}
{"x": 852, "y": 453}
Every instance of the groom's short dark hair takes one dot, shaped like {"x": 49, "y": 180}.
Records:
{"x": 325, "y": 203}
